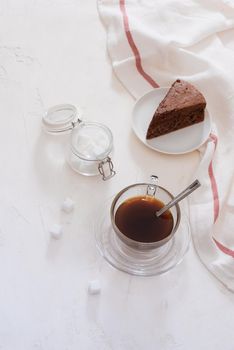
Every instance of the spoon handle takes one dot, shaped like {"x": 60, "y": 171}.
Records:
{"x": 179, "y": 197}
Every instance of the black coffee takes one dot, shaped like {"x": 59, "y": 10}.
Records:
{"x": 136, "y": 219}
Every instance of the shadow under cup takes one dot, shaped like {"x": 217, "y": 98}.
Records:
{"x": 143, "y": 189}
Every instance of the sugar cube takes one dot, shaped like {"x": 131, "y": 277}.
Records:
{"x": 68, "y": 205}
{"x": 94, "y": 287}
{"x": 56, "y": 231}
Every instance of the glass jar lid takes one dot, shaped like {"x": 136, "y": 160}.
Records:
{"x": 60, "y": 118}
{"x": 91, "y": 141}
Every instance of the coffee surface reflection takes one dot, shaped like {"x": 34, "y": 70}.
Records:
{"x": 136, "y": 219}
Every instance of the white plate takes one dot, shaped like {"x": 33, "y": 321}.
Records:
{"x": 177, "y": 142}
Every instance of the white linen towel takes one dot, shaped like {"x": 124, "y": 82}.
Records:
{"x": 151, "y": 43}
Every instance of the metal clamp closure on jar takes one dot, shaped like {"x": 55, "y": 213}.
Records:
{"x": 90, "y": 145}
{"x": 106, "y": 168}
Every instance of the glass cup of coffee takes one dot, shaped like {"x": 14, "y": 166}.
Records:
{"x": 133, "y": 216}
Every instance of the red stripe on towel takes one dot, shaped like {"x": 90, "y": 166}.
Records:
{"x": 214, "y": 188}
{"x": 213, "y": 182}
{"x": 214, "y": 138}
{"x": 134, "y": 47}
{"x": 224, "y": 249}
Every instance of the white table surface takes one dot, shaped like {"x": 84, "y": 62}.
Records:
{"x": 51, "y": 52}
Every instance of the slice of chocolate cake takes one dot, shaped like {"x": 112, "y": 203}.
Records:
{"x": 182, "y": 106}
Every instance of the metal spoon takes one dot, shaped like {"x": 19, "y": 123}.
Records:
{"x": 179, "y": 197}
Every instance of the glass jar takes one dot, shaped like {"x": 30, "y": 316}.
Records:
{"x": 90, "y": 143}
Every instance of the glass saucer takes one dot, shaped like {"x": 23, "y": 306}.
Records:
{"x": 139, "y": 262}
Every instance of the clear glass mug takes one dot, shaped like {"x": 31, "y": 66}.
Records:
{"x": 144, "y": 189}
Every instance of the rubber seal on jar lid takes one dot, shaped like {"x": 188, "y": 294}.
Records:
{"x": 60, "y": 118}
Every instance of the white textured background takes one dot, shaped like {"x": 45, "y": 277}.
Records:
{"x": 54, "y": 52}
